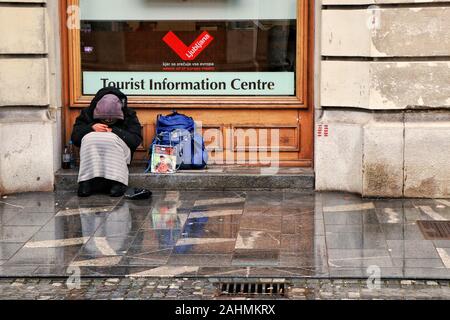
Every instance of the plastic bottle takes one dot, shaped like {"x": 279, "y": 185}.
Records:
{"x": 72, "y": 155}
{"x": 66, "y": 158}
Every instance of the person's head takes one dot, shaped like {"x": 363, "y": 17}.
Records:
{"x": 162, "y": 159}
{"x": 109, "y": 109}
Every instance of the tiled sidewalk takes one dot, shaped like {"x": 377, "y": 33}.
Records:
{"x": 247, "y": 234}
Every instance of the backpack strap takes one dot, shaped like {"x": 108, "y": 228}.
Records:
{"x": 157, "y": 123}
{"x": 150, "y": 154}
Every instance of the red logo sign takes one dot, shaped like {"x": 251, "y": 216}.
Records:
{"x": 184, "y": 52}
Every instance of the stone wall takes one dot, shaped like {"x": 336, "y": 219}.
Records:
{"x": 384, "y": 97}
{"x": 29, "y": 95}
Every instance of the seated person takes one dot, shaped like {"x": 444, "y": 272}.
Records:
{"x": 107, "y": 133}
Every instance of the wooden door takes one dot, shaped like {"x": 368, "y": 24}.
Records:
{"x": 238, "y": 130}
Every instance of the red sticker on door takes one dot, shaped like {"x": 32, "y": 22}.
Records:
{"x": 188, "y": 53}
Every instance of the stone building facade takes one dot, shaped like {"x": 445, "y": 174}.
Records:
{"x": 382, "y": 70}
{"x": 30, "y": 95}
{"x": 385, "y": 94}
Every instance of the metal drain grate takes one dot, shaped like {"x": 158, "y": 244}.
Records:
{"x": 435, "y": 230}
{"x": 252, "y": 289}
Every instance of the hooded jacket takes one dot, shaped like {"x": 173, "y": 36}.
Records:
{"x": 128, "y": 129}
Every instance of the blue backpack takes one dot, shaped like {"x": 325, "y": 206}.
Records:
{"x": 179, "y": 130}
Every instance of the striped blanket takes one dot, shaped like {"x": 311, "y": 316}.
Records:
{"x": 105, "y": 155}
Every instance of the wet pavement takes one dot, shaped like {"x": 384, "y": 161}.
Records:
{"x": 243, "y": 234}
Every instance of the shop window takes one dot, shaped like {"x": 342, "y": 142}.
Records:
{"x": 191, "y": 48}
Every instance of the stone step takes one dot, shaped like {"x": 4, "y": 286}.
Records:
{"x": 216, "y": 178}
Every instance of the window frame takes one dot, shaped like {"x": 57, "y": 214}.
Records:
{"x": 72, "y": 75}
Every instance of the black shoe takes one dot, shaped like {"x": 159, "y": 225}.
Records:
{"x": 137, "y": 194}
{"x": 84, "y": 189}
{"x": 118, "y": 189}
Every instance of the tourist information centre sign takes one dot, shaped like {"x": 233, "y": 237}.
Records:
{"x": 192, "y": 83}
{"x": 189, "y": 48}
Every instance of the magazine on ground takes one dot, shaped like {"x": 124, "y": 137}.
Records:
{"x": 164, "y": 159}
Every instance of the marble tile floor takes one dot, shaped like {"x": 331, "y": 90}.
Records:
{"x": 221, "y": 234}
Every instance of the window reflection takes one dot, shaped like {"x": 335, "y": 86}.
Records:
{"x": 245, "y": 46}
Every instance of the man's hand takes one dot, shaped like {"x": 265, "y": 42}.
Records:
{"x": 100, "y": 127}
